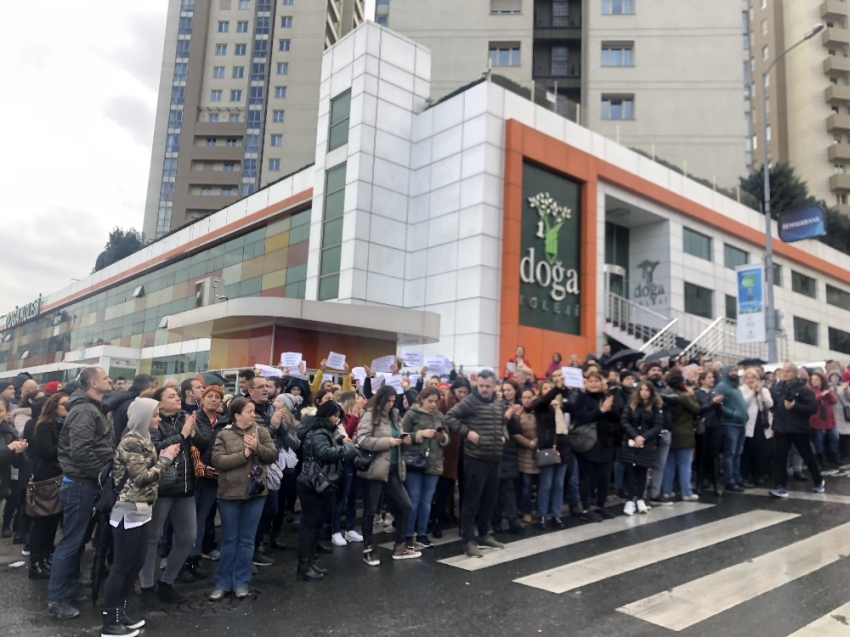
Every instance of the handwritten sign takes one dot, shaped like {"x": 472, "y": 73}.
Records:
{"x": 383, "y": 364}
{"x": 395, "y": 382}
{"x": 267, "y": 371}
{"x": 573, "y": 377}
{"x": 437, "y": 364}
{"x": 359, "y": 373}
{"x": 291, "y": 359}
{"x": 378, "y": 381}
{"x": 412, "y": 359}
{"x": 413, "y": 378}
{"x": 336, "y": 361}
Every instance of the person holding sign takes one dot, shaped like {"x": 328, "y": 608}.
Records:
{"x": 318, "y": 380}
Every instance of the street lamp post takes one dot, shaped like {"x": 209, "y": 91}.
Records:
{"x": 772, "y": 353}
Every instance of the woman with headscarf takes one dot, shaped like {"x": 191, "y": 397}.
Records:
{"x": 136, "y": 470}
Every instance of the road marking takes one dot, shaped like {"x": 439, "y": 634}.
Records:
{"x": 449, "y": 536}
{"x": 802, "y": 495}
{"x": 559, "y": 539}
{"x": 834, "y": 624}
{"x": 691, "y": 603}
{"x": 630, "y": 558}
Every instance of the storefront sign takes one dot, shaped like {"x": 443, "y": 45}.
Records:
{"x": 549, "y": 293}
{"x": 805, "y": 223}
{"x": 751, "y": 314}
{"x": 22, "y": 314}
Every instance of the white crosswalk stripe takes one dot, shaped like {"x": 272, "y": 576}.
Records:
{"x": 699, "y": 599}
{"x": 559, "y": 539}
{"x": 804, "y": 495}
{"x": 594, "y": 569}
{"x": 833, "y": 624}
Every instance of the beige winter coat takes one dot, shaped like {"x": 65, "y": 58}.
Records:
{"x": 379, "y": 439}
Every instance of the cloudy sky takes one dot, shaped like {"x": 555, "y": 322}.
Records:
{"x": 78, "y": 117}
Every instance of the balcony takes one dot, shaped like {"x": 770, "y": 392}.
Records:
{"x": 837, "y": 93}
{"x": 217, "y": 153}
{"x": 835, "y": 64}
{"x": 839, "y": 152}
{"x": 219, "y": 129}
{"x": 572, "y": 81}
{"x": 838, "y": 122}
{"x": 209, "y": 202}
{"x": 215, "y": 177}
{"x": 835, "y": 37}
{"x": 833, "y": 9}
{"x": 543, "y": 33}
{"x": 839, "y": 182}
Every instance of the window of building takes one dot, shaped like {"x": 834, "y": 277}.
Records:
{"x": 802, "y": 284}
{"x": 262, "y": 26}
{"x": 276, "y": 140}
{"x": 229, "y": 167}
{"x": 280, "y": 91}
{"x": 235, "y": 96}
{"x": 178, "y": 94}
{"x": 261, "y": 49}
{"x": 252, "y": 143}
{"x": 733, "y": 257}
{"x": 731, "y": 307}
{"x": 238, "y": 72}
{"x": 169, "y": 168}
{"x": 241, "y": 27}
{"x": 223, "y": 26}
{"x": 175, "y": 118}
{"x": 332, "y": 233}
{"x": 283, "y": 68}
{"x": 618, "y": 107}
{"x": 227, "y": 192}
{"x": 837, "y": 297}
{"x": 258, "y": 72}
{"x": 218, "y": 72}
{"x": 244, "y": 5}
{"x": 233, "y": 118}
{"x": 699, "y": 301}
{"x": 256, "y": 95}
{"x": 264, "y": 5}
{"x": 215, "y": 95}
{"x": 840, "y": 198}
{"x": 274, "y": 165}
{"x": 504, "y": 56}
{"x": 249, "y": 168}
{"x": 560, "y": 13}
{"x": 288, "y": 2}
{"x": 286, "y": 22}
{"x": 211, "y": 141}
{"x": 617, "y": 54}
{"x": 277, "y": 116}
{"x": 340, "y": 111}
{"x": 206, "y": 191}
{"x": 839, "y": 340}
{"x": 382, "y": 12}
{"x": 181, "y": 70}
{"x": 183, "y": 48}
{"x": 764, "y": 27}
{"x": 765, "y": 52}
{"x": 231, "y": 141}
{"x": 185, "y": 26}
{"x": 213, "y": 117}
{"x": 172, "y": 143}
{"x": 697, "y": 244}
{"x": 247, "y": 189}
{"x": 254, "y": 119}
{"x": 241, "y": 49}
{"x": 283, "y": 45}
{"x": 805, "y": 331}
{"x": 617, "y": 7}
{"x": 560, "y": 60}
{"x": 777, "y": 275}
{"x": 221, "y": 49}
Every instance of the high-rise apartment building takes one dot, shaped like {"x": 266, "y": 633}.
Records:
{"x": 808, "y": 95}
{"x": 239, "y": 92}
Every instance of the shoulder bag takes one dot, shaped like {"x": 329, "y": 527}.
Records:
{"x": 417, "y": 461}
{"x": 364, "y": 458}
{"x": 547, "y": 457}
{"x": 844, "y": 405}
{"x": 582, "y": 437}
{"x": 43, "y": 498}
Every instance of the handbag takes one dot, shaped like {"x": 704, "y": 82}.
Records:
{"x": 287, "y": 459}
{"x": 845, "y": 406}
{"x": 582, "y": 437}
{"x": 417, "y": 461}
{"x": 43, "y": 498}
{"x": 547, "y": 457}
{"x": 256, "y": 483}
{"x": 199, "y": 467}
{"x": 274, "y": 474}
{"x": 319, "y": 478}
{"x": 364, "y": 458}
{"x": 169, "y": 477}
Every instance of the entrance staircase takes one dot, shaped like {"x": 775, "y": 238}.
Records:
{"x": 648, "y": 331}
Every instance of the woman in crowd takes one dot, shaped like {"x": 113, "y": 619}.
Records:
{"x": 287, "y": 494}
{"x": 239, "y": 451}
{"x": 44, "y": 451}
{"x": 557, "y": 363}
{"x": 424, "y": 422}
{"x": 208, "y": 423}
{"x": 379, "y": 431}
{"x": 518, "y": 363}
{"x": 526, "y": 439}
{"x": 709, "y": 437}
{"x": 509, "y": 478}
{"x": 136, "y": 471}
{"x": 13, "y": 515}
{"x": 824, "y": 433}
{"x": 642, "y": 422}
{"x": 754, "y": 459}
{"x": 552, "y": 434}
{"x": 175, "y": 500}
{"x": 443, "y": 508}
{"x": 12, "y": 458}
{"x": 842, "y": 424}
{"x": 322, "y": 445}
{"x": 682, "y": 443}
{"x": 349, "y": 485}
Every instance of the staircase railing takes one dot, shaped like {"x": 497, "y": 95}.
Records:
{"x": 664, "y": 339}
{"x": 635, "y": 319}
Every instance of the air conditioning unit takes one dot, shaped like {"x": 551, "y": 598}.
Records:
{"x": 205, "y": 291}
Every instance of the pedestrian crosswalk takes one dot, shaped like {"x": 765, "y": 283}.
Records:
{"x": 833, "y": 624}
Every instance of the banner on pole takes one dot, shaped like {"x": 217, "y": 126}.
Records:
{"x": 751, "y": 307}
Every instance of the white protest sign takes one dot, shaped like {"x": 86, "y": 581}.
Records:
{"x": 383, "y": 364}
{"x": 436, "y": 364}
{"x": 412, "y": 359}
{"x": 378, "y": 381}
{"x": 395, "y": 382}
{"x": 359, "y": 373}
{"x": 573, "y": 377}
{"x": 413, "y": 378}
{"x": 290, "y": 359}
{"x": 336, "y": 361}
{"x": 268, "y": 372}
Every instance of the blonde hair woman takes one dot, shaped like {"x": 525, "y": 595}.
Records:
{"x": 754, "y": 458}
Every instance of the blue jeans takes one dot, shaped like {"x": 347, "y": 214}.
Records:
{"x": 239, "y": 520}
{"x": 206, "y": 494}
{"x": 655, "y": 484}
{"x": 78, "y": 500}
{"x": 345, "y": 496}
{"x": 733, "y": 447}
{"x": 831, "y": 438}
{"x": 420, "y": 488}
{"x": 550, "y": 490}
{"x": 679, "y": 459}
{"x": 619, "y": 469}
{"x": 573, "y": 495}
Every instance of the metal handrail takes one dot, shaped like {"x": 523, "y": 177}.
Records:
{"x": 656, "y": 341}
{"x": 707, "y": 331}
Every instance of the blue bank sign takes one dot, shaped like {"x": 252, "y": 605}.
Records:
{"x": 805, "y": 223}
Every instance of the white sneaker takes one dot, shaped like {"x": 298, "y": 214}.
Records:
{"x": 641, "y": 507}
{"x": 388, "y": 522}
{"x": 163, "y": 563}
{"x": 338, "y": 540}
{"x": 690, "y": 498}
{"x": 353, "y": 536}
{"x": 629, "y": 509}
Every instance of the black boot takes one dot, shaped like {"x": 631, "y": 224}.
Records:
{"x": 438, "y": 529}
{"x": 39, "y": 570}
{"x": 112, "y": 625}
{"x": 306, "y": 571}
{"x": 321, "y": 547}
{"x": 168, "y": 595}
{"x": 130, "y": 621}
{"x": 193, "y": 565}
{"x": 6, "y": 532}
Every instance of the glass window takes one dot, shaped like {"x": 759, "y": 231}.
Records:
{"x": 284, "y": 45}
{"x": 235, "y": 96}
{"x": 617, "y": 7}
{"x": 244, "y": 5}
{"x": 288, "y": 2}
{"x": 247, "y": 189}
{"x": 802, "y": 284}
{"x": 175, "y": 118}
{"x": 332, "y": 233}
{"x": 178, "y": 94}
{"x": 229, "y": 167}
{"x": 221, "y": 49}
{"x": 697, "y": 244}
{"x": 181, "y": 70}
{"x": 213, "y": 117}
{"x": 250, "y": 168}
{"x": 215, "y": 95}
{"x": 286, "y": 22}
{"x": 839, "y": 340}
{"x": 241, "y": 27}
{"x": 699, "y": 301}
{"x": 241, "y": 49}
{"x": 616, "y": 55}
{"x": 560, "y": 60}
{"x": 261, "y": 48}
{"x": 256, "y": 95}
{"x": 277, "y": 140}
{"x": 233, "y": 118}
{"x": 283, "y": 68}
{"x": 280, "y": 91}
{"x": 274, "y": 165}
{"x": 169, "y": 167}
{"x": 617, "y": 107}
{"x": 262, "y": 25}
{"x": 777, "y": 275}
{"x": 218, "y": 72}
{"x": 252, "y": 143}
{"x": 211, "y": 141}
{"x": 223, "y": 26}
{"x": 206, "y": 191}
{"x": 254, "y": 119}
{"x": 238, "y": 72}
{"x": 340, "y": 111}
{"x": 731, "y": 307}
{"x": 504, "y": 56}
{"x": 227, "y": 192}
{"x": 837, "y": 297}
{"x": 185, "y": 26}
{"x": 805, "y": 331}
{"x": 183, "y": 48}
{"x": 733, "y": 257}
{"x": 277, "y": 116}
{"x": 172, "y": 143}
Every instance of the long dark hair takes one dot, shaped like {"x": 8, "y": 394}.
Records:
{"x": 377, "y": 402}
{"x": 654, "y": 399}
{"x": 50, "y": 409}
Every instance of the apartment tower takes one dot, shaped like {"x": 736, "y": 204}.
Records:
{"x": 238, "y": 96}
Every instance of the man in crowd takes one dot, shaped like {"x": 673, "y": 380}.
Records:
{"x": 733, "y": 418}
{"x": 118, "y": 384}
{"x": 190, "y": 394}
{"x": 119, "y": 401}
{"x": 655, "y": 375}
{"x": 480, "y": 419}
{"x": 245, "y": 377}
{"x": 605, "y": 356}
{"x": 86, "y": 445}
{"x": 7, "y": 390}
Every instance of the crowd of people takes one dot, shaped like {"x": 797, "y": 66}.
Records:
{"x": 492, "y": 453}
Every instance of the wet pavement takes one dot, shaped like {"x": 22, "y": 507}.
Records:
{"x": 723, "y": 567}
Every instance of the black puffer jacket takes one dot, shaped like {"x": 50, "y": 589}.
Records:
{"x": 709, "y": 411}
{"x": 796, "y": 419}
{"x": 484, "y": 416}
{"x": 170, "y": 433}
{"x": 118, "y": 403}
{"x": 585, "y": 408}
{"x": 87, "y": 439}
{"x": 8, "y": 458}
{"x": 320, "y": 444}
{"x": 205, "y": 430}
{"x": 647, "y": 424}
{"x": 546, "y": 424}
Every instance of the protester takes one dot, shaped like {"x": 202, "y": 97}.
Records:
{"x": 526, "y": 439}
{"x": 682, "y": 441}
{"x": 443, "y": 509}
{"x": 733, "y": 418}
{"x": 824, "y": 433}
{"x": 642, "y": 422}
{"x": 191, "y": 391}
{"x": 709, "y": 434}
{"x": 755, "y": 456}
{"x": 552, "y": 435}
{"x": 509, "y": 476}
{"x": 12, "y": 454}
{"x": 346, "y": 494}
{"x": 119, "y": 401}
{"x": 842, "y": 423}
{"x": 655, "y": 375}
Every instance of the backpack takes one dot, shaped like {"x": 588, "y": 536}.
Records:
{"x": 108, "y": 495}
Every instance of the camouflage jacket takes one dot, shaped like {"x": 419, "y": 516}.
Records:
{"x": 137, "y": 459}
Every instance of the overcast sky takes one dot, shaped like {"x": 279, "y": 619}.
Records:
{"x": 78, "y": 113}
